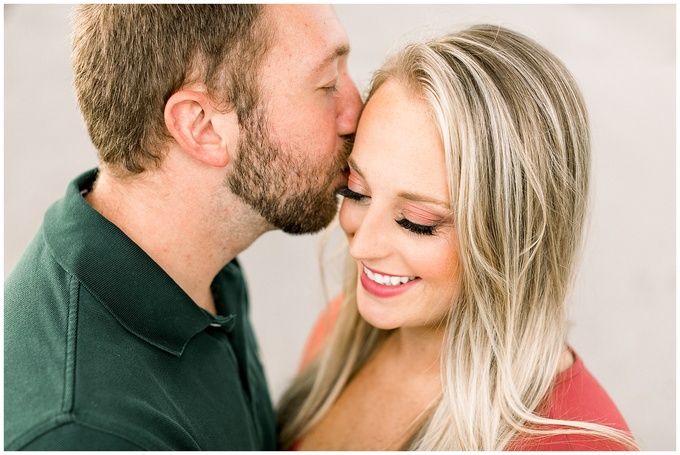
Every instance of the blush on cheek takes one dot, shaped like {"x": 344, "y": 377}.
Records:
{"x": 345, "y": 218}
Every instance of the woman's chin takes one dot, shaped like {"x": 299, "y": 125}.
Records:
{"x": 377, "y": 317}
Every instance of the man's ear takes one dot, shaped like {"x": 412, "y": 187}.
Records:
{"x": 199, "y": 128}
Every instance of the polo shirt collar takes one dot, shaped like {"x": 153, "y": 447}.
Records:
{"x": 121, "y": 276}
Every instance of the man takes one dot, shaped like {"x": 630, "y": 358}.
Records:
{"x": 126, "y": 322}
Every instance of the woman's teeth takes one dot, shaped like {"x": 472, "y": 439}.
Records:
{"x": 387, "y": 280}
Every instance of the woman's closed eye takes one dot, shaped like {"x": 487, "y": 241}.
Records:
{"x": 419, "y": 229}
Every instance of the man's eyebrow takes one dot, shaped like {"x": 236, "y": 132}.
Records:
{"x": 337, "y": 53}
{"x": 403, "y": 195}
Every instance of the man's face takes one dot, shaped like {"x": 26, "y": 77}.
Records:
{"x": 293, "y": 150}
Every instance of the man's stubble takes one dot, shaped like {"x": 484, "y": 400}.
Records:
{"x": 289, "y": 190}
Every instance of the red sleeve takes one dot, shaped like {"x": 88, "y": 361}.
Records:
{"x": 323, "y": 327}
{"x": 578, "y": 396}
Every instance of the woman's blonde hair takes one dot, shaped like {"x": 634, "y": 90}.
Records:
{"x": 515, "y": 134}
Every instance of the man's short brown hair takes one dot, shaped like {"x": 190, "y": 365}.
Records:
{"x": 129, "y": 59}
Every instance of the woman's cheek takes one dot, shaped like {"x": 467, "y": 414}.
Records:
{"x": 349, "y": 221}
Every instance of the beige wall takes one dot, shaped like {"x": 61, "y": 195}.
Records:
{"x": 624, "y": 59}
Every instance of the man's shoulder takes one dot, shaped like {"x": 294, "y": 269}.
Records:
{"x": 39, "y": 315}
{"x": 36, "y": 270}
{"x": 39, "y": 267}
{"x": 76, "y": 379}
{"x": 44, "y": 331}
{"x": 71, "y": 435}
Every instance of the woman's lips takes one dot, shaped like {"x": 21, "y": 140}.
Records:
{"x": 385, "y": 286}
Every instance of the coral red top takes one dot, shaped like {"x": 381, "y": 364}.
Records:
{"x": 576, "y": 396}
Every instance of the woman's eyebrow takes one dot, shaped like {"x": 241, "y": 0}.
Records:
{"x": 420, "y": 198}
{"x": 403, "y": 195}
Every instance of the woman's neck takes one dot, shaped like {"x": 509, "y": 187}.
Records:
{"x": 418, "y": 350}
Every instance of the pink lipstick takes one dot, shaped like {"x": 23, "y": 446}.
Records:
{"x": 385, "y": 290}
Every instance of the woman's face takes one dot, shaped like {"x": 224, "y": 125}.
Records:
{"x": 396, "y": 214}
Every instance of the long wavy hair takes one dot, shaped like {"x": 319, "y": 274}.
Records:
{"x": 516, "y": 138}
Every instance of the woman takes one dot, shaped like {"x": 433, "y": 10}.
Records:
{"x": 464, "y": 212}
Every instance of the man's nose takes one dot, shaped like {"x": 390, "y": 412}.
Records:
{"x": 349, "y": 107}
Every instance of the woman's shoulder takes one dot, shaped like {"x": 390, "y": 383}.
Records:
{"x": 578, "y": 396}
{"x": 570, "y": 443}
{"x": 320, "y": 332}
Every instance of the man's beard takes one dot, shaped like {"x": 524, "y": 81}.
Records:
{"x": 286, "y": 189}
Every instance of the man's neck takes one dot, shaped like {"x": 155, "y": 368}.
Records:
{"x": 190, "y": 225}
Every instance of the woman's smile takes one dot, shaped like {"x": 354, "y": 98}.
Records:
{"x": 385, "y": 286}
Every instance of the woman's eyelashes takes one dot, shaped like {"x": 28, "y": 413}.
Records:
{"x": 405, "y": 223}
{"x": 349, "y": 194}
{"x": 419, "y": 229}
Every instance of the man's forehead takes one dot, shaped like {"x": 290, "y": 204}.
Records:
{"x": 307, "y": 25}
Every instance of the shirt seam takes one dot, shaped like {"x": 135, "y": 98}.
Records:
{"x": 71, "y": 337}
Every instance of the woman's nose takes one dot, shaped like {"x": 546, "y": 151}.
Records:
{"x": 369, "y": 238}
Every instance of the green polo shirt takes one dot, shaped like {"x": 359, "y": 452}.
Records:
{"x": 103, "y": 350}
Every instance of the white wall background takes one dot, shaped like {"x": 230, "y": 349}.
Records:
{"x": 624, "y": 59}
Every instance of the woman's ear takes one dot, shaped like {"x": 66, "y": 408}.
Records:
{"x": 199, "y": 128}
